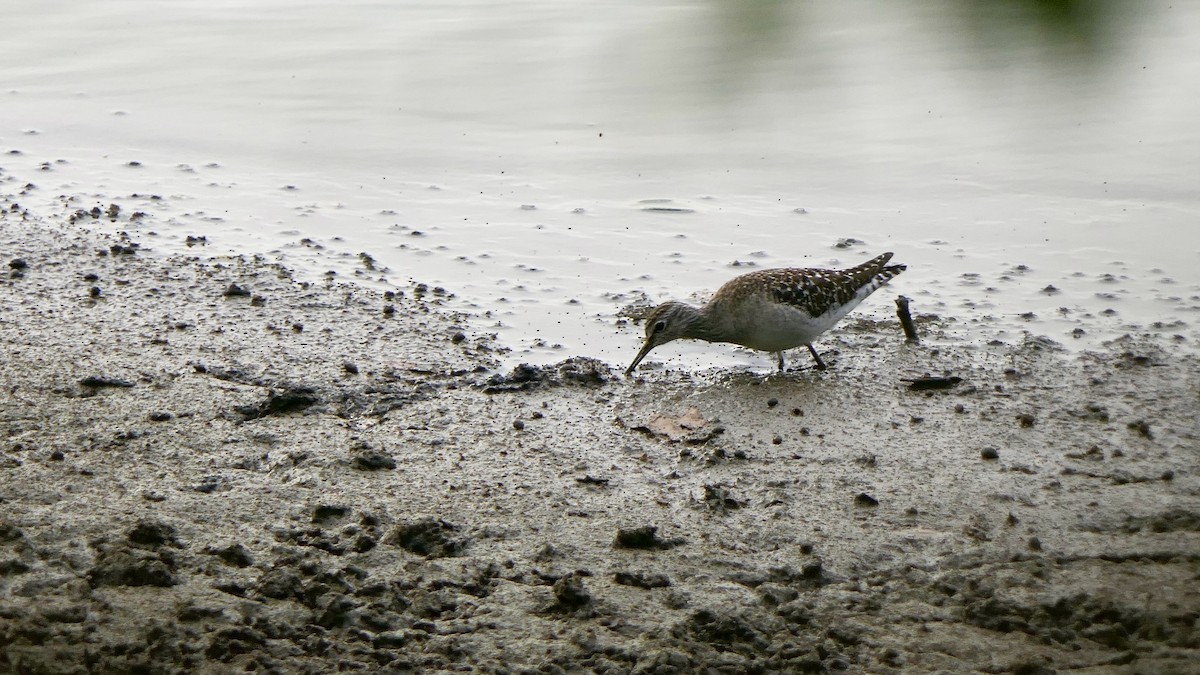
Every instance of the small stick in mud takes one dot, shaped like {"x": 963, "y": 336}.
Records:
{"x": 927, "y": 383}
{"x": 906, "y": 322}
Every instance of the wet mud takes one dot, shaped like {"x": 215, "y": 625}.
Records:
{"x": 208, "y": 465}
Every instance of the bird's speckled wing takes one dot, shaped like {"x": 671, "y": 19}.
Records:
{"x": 817, "y": 291}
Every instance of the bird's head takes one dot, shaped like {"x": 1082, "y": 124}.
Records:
{"x": 669, "y": 321}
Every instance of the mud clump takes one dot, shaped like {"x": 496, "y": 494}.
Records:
{"x": 1080, "y": 616}
{"x": 1173, "y": 520}
{"x": 570, "y": 594}
{"x": 284, "y": 401}
{"x": 645, "y": 537}
{"x": 728, "y": 630}
{"x": 1142, "y": 428}
{"x": 102, "y": 381}
{"x": 584, "y": 371}
{"x": 233, "y": 554}
{"x": 122, "y": 566}
{"x": 153, "y": 534}
{"x": 719, "y": 500}
{"x": 579, "y": 370}
{"x": 642, "y": 579}
{"x": 430, "y": 538}
{"x": 374, "y": 460}
{"x": 236, "y": 291}
{"x": 522, "y": 378}
{"x": 280, "y": 584}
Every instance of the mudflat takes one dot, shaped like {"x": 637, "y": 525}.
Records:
{"x": 211, "y": 466}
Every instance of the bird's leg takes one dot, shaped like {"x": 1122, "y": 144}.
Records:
{"x": 820, "y": 363}
{"x": 780, "y": 361}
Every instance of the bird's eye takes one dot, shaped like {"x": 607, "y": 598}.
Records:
{"x": 659, "y": 326}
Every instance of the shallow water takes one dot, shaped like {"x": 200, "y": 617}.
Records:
{"x": 1034, "y": 164}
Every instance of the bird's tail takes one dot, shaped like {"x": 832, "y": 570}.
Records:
{"x": 875, "y": 272}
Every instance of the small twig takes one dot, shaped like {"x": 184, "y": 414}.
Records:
{"x": 927, "y": 383}
{"x": 906, "y": 322}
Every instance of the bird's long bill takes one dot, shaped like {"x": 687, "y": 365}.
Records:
{"x": 641, "y": 355}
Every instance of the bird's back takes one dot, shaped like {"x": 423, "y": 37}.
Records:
{"x": 816, "y": 292}
{"x": 785, "y": 307}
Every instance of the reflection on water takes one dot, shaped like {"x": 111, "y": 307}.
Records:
{"x": 523, "y": 141}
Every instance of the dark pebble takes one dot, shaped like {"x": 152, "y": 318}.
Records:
{"x": 160, "y": 416}
{"x": 989, "y": 453}
{"x": 95, "y": 291}
{"x": 644, "y": 537}
{"x": 350, "y": 367}
{"x": 18, "y": 264}
{"x": 864, "y": 499}
{"x": 96, "y": 381}
{"x": 772, "y": 402}
{"x": 57, "y": 456}
{"x": 327, "y": 512}
{"x": 374, "y": 461}
{"x": 236, "y": 291}
{"x": 518, "y": 425}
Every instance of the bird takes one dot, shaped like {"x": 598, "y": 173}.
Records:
{"x": 770, "y": 310}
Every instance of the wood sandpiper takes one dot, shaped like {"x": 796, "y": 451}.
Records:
{"x": 770, "y": 310}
